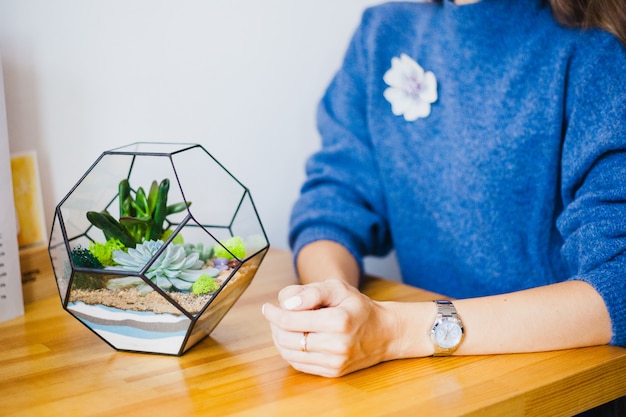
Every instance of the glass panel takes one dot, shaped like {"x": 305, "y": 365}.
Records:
{"x": 94, "y": 192}
{"x": 248, "y": 226}
{"x": 127, "y": 313}
{"x": 59, "y": 258}
{"x": 214, "y": 199}
{"x": 153, "y": 148}
{"x": 236, "y": 284}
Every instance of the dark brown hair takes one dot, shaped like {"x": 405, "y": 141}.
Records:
{"x": 609, "y": 15}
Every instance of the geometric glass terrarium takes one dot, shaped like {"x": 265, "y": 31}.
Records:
{"x": 154, "y": 245}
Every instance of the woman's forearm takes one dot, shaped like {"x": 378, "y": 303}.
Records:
{"x": 560, "y": 316}
{"x": 325, "y": 259}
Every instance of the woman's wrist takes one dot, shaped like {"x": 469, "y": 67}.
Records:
{"x": 325, "y": 259}
{"x": 411, "y": 323}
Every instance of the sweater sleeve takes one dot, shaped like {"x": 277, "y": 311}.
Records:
{"x": 593, "y": 223}
{"x": 341, "y": 199}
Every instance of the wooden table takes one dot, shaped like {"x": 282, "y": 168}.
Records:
{"x": 51, "y": 365}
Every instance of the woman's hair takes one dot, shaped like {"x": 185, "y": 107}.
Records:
{"x": 609, "y": 15}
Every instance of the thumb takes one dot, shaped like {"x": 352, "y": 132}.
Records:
{"x": 317, "y": 295}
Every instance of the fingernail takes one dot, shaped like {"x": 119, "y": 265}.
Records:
{"x": 263, "y": 309}
{"x": 293, "y": 302}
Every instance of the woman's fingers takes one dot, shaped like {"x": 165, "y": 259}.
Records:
{"x": 322, "y": 320}
{"x": 294, "y": 341}
{"x": 313, "y": 296}
{"x": 326, "y": 328}
{"x": 319, "y": 358}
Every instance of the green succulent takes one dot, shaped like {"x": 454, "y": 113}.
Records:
{"x": 172, "y": 270}
{"x": 204, "y": 252}
{"x": 142, "y": 218}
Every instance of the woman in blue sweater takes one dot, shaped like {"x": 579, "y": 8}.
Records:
{"x": 486, "y": 144}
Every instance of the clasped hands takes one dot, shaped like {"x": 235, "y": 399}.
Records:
{"x": 331, "y": 329}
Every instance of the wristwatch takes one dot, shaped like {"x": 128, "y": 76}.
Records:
{"x": 447, "y": 331}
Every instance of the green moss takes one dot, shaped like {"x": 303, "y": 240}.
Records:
{"x": 103, "y": 252}
{"x": 235, "y": 245}
{"x": 205, "y": 284}
{"x": 83, "y": 258}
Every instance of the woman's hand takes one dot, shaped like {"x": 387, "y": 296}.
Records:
{"x": 331, "y": 329}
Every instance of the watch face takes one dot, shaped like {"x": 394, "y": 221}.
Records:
{"x": 448, "y": 334}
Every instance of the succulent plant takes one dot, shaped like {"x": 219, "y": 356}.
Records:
{"x": 204, "y": 252}
{"x": 142, "y": 218}
{"x": 173, "y": 269}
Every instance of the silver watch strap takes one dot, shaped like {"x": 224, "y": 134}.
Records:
{"x": 445, "y": 308}
{"x": 445, "y": 312}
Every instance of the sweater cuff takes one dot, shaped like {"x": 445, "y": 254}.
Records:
{"x": 313, "y": 234}
{"x": 606, "y": 282}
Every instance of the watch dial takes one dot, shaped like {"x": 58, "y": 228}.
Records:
{"x": 448, "y": 334}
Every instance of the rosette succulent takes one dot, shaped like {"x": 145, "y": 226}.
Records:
{"x": 173, "y": 269}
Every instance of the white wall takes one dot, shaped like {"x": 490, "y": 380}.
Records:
{"x": 240, "y": 77}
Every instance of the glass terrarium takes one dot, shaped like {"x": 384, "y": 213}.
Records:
{"x": 154, "y": 245}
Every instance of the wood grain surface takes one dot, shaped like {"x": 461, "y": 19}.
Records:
{"x": 52, "y": 365}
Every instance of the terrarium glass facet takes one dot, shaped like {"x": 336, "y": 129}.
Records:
{"x": 153, "y": 246}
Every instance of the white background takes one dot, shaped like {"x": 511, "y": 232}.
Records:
{"x": 240, "y": 77}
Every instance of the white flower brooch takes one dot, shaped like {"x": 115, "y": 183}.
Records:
{"x": 411, "y": 89}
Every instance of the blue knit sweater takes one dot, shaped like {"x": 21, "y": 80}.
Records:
{"x": 516, "y": 179}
